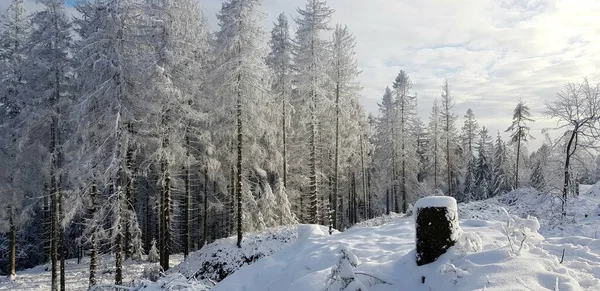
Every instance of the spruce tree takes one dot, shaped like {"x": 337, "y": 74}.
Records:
{"x": 519, "y": 132}
{"x": 310, "y": 58}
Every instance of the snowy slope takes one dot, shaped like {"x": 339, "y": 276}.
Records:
{"x": 302, "y": 257}
{"x": 483, "y": 259}
{"x": 583, "y": 212}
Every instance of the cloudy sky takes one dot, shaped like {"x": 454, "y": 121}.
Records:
{"x": 492, "y": 52}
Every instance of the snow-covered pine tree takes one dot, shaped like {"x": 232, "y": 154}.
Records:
{"x": 343, "y": 73}
{"x": 500, "y": 182}
{"x": 310, "y": 58}
{"x": 421, "y": 138}
{"x": 176, "y": 34}
{"x": 469, "y": 133}
{"x": 407, "y": 158}
{"x": 240, "y": 84}
{"x": 153, "y": 256}
{"x": 519, "y": 132}
{"x": 470, "y": 180}
{"x": 279, "y": 61}
{"x": 105, "y": 107}
{"x": 283, "y": 211}
{"x": 449, "y": 138}
{"x": 539, "y": 173}
{"x": 435, "y": 158}
{"x": 483, "y": 172}
{"x": 384, "y": 152}
{"x": 49, "y": 90}
{"x": 14, "y": 37}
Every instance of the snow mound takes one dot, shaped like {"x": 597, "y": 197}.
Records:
{"x": 583, "y": 211}
{"x": 383, "y": 258}
{"x": 217, "y": 260}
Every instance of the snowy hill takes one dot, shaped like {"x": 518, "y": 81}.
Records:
{"x": 482, "y": 260}
{"x": 382, "y": 252}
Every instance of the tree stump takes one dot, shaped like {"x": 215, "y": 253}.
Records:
{"x": 436, "y": 227}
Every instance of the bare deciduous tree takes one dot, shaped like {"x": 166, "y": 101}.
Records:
{"x": 577, "y": 107}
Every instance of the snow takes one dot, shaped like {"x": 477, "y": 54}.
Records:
{"x": 510, "y": 242}
{"x": 482, "y": 258}
{"x": 77, "y": 275}
{"x": 436, "y": 201}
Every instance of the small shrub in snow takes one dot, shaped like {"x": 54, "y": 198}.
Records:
{"x": 453, "y": 271}
{"x": 517, "y": 230}
{"x": 342, "y": 275}
{"x": 153, "y": 256}
{"x": 469, "y": 242}
{"x": 152, "y": 272}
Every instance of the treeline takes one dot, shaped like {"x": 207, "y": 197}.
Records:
{"x": 133, "y": 129}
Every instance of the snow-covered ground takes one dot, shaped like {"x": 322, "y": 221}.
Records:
{"x": 302, "y": 258}
{"x": 77, "y": 275}
{"x": 482, "y": 260}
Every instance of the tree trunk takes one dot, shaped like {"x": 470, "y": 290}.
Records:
{"x": 284, "y": 121}
{"x": 240, "y": 141}
{"x": 313, "y": 193}
{"x": 61, "y": 243}
{"x": 571, "y": 147}
{"x": 167, "y": 223}
{"x": 387, "y": 201}
{"x": 369, "y": 210}
{"x": 187, "y": 199}
{"x": 54, "y": 234}
{"x": 94, "y": 250}
{"x": 130, "y": 194}
{"x": 336, "y": 183}
{"x": 205, "y": 220}
{"x": 364, "y": 181}
{"x": 13, "y": 244}
{"x": 518, "y": 155}
{"x": 119, "y": 237}
{"x": 232, "y": 193}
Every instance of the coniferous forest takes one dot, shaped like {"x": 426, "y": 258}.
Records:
{"x": 134, "y": 128}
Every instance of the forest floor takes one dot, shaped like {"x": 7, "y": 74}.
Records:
{"x": 77, "y": 275}
{"x": 488, "y": 256}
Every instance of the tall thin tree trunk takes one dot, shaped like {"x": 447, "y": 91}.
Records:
{"x": 571, "y": 147}
{"x": 119, "y": 239}
{"x": 232, "y": 194}
{"x": 313, "y": 194}
{"x": 364, "y": 181}
{"x": 149, "y": 219}
{"x": 240, "y": 141}
{"x": 54, "y": 234}
{"x": 13, "y": 244}
{"x": 336, "y": 184}
{"x": 387, "y": 201}
{"x": 284, "y": 121}
{"x": 205, "y": 220}
{"x": 130, "y": 192}
{"x": 518, "y": 155}
{"x": 161, "y": 218}
{"x": 94, "y": 250}
{"x": 187, "y": 199}
{"x": 47, "y": 224}
{"x": 167, "y": 223}
{"x": 61, "y": 242}
{"x": 369, "y": 208}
